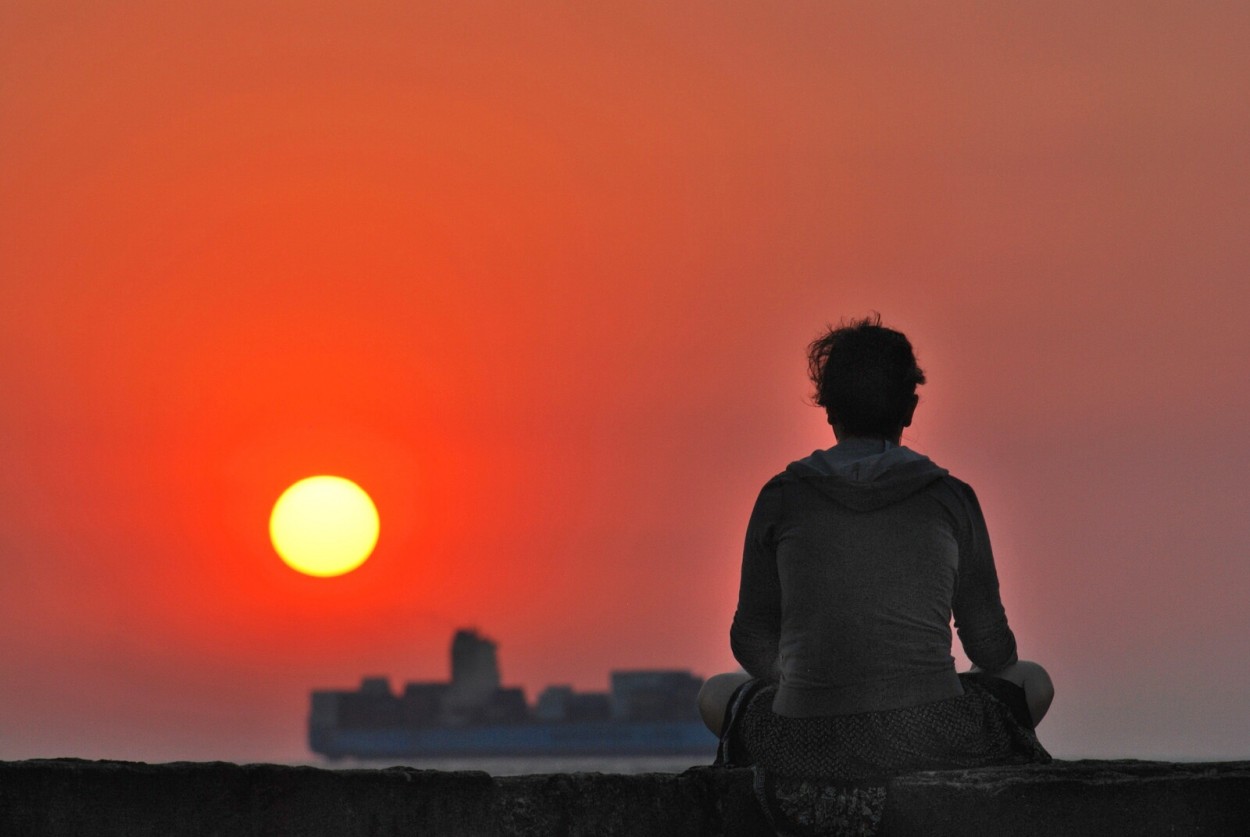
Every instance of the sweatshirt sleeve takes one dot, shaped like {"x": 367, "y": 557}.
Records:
{"x": 756, "y": 629}
{"x": 980, "y": 619}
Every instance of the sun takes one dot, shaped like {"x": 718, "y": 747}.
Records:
{"x": 324, "y": 526}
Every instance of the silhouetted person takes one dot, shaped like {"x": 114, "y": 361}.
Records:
{"x": 856, "y": 557}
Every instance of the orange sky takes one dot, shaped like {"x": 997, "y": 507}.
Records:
{"x": 539, "y": 277}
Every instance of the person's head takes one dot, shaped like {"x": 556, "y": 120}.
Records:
{"x": 866, "y": 378}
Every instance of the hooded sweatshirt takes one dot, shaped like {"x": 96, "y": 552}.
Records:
{"x": 856, "y": 557}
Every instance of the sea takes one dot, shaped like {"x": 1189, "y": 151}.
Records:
{"x": 528, "y": 765}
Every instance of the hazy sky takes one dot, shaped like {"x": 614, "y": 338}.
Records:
{"x": 539, "y": 277}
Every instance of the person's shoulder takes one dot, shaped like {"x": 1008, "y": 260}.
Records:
{"x": 808, "y": 466}
{"x": 957, "y": 485}
{"x": 943, "y": 481}
{"x": 777, "y": 482}
{"x": 958, "y": 496}
{"x": 772, "y": 493}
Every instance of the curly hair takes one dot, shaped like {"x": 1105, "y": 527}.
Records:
{"x": 865, "y": 376}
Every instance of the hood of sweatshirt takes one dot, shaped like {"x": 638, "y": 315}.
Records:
{"x": 866, "y": 474}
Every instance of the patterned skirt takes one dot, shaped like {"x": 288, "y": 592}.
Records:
{"x": 827, "y": 775}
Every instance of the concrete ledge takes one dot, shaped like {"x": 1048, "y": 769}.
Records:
{"x": 1074, "y": 798}
{"x": 73, "y": 797}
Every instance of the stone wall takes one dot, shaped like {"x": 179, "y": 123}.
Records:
{"x": 73, "y": 797}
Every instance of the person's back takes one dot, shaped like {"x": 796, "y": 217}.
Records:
{"x": 867, "y": 556}
{"x": 855, "y": 559}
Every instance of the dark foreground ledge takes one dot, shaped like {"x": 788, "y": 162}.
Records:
{"x": 73, "y": 797}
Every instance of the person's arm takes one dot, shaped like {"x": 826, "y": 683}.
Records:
{"x": 980, "y": 618}
{"x": 756, "y": 629}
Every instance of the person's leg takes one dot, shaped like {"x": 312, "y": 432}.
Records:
{"x": 1038, "y": 690}
{"x": 714, "y": 698}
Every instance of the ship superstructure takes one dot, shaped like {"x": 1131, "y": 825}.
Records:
{"x": 650, "y": 712}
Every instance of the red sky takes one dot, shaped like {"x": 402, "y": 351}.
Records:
{"x": 539, "y": 277}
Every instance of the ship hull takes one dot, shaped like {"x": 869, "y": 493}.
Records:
{"x": 587, "y": 738}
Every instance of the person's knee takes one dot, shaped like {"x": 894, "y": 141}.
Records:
{"x": 1040, "y": 676}
{"x": 714, "y": 698}
{"x": 1039, "y": 689}
{"x": 1042, "y": 691}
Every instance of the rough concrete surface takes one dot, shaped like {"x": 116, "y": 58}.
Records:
{"x": 74, "y": 797}
{"x": 1075, "y": 797}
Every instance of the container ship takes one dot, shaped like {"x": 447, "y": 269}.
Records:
{"x": 646, "y": 713}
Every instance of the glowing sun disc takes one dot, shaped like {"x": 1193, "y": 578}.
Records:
{"x": 324, "y": 526}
